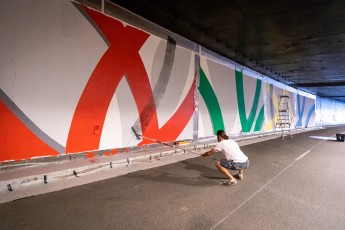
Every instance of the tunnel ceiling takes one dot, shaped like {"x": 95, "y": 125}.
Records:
{"x": 299, "y": 43}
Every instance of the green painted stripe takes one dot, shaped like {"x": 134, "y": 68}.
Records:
{"x": 260, "y": 119}
{"x": 211, "y": 102}
{"x": 246, "y": 123}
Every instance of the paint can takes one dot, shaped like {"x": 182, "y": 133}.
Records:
{"x": 340, "y": 137}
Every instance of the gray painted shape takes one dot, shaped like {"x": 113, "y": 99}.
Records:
{"x": 160, "y": 86}
{"x": 174, "y": 94}
{"x": 30, "y": 125}
{"x": 196, "y": 99}
{"x": 128, "y": 112}
{"x": 271, "y": 101}
{"x": 165, "y": 73}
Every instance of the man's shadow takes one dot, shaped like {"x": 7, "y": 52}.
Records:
{"x": 205, "y": 171}
{"x": 195, "y": 173}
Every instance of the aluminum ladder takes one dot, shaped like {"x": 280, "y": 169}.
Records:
{"x": 285, "y": 116}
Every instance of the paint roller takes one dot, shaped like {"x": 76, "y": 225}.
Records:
{"x": 139, "y": 137}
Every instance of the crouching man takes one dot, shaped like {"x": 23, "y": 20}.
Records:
{"x": 234, "y": 158}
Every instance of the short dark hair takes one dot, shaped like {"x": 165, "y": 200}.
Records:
{"x": 222, "y": 134}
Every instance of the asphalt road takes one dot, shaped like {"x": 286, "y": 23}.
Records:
{"x": 293, "y": 183}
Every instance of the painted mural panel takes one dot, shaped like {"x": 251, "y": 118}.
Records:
{"x": 250, "y": 102}
{"x": 96, "y": 88}
{"x": 218, "y": 96}
{"x": 230, "y": 99}
{"x": 302, "y": 108}
{"x": 224, "y": 85}
{"x": 171, "y": 75}
{"x": 74, "y": 79}
{"x": 42, "y": 69}
{"x": 151, "y": 90}
{"x": 305, "y": 111}
{"x": 276, "y": 98}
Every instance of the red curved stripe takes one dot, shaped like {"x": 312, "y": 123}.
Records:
{"x": 89, "y": 116}
{"x": 17, "y": 142}
{"x": 175, "y": 125}
{"x": 121, "y": 59}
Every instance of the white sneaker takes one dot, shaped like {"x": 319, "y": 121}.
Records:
{"x": 239, "y": 176}
{"x": 230, "y": 182}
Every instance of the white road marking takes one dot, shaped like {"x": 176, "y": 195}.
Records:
{"x": 265, "y": 185}
{"x": 302, "y": 155}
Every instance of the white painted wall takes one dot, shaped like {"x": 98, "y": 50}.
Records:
{"x": 48, "y": 51}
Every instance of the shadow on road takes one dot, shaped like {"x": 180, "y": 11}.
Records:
{"x": 190, "y": 174}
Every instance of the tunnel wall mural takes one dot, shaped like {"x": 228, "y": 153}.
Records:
{"x": 274, "y": 101}
{"x": 302, "y": 108}
{"x": 230, "y": 100}
{"x": 74, "y": 79}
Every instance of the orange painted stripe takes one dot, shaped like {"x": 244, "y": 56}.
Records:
{"x": 17, "y": 142}
{"x": 121, "y": 59}
{"x": 175, "y": 125}
{"x": 90, "y": 155}
{"x": 91, "y": 110}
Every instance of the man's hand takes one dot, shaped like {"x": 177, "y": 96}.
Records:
{"x": 205, "y": 155}
{"x": 209, "y": 153}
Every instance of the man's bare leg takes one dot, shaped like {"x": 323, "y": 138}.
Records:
{"x": 224, "y": 171}
{"x": 240, "y": 174}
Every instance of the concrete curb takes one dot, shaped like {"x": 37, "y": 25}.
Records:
{"x": 81, "y": 169}
{"x": 20, "y": 179}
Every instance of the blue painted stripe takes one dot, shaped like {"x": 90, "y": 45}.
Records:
{"x": 310, "y": 113}
{"x": 300, "y": 110}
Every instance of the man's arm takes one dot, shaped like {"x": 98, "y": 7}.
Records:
{"x": 209, "y": 153}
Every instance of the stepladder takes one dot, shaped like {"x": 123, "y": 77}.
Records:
{"x": 285, "y": 117}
